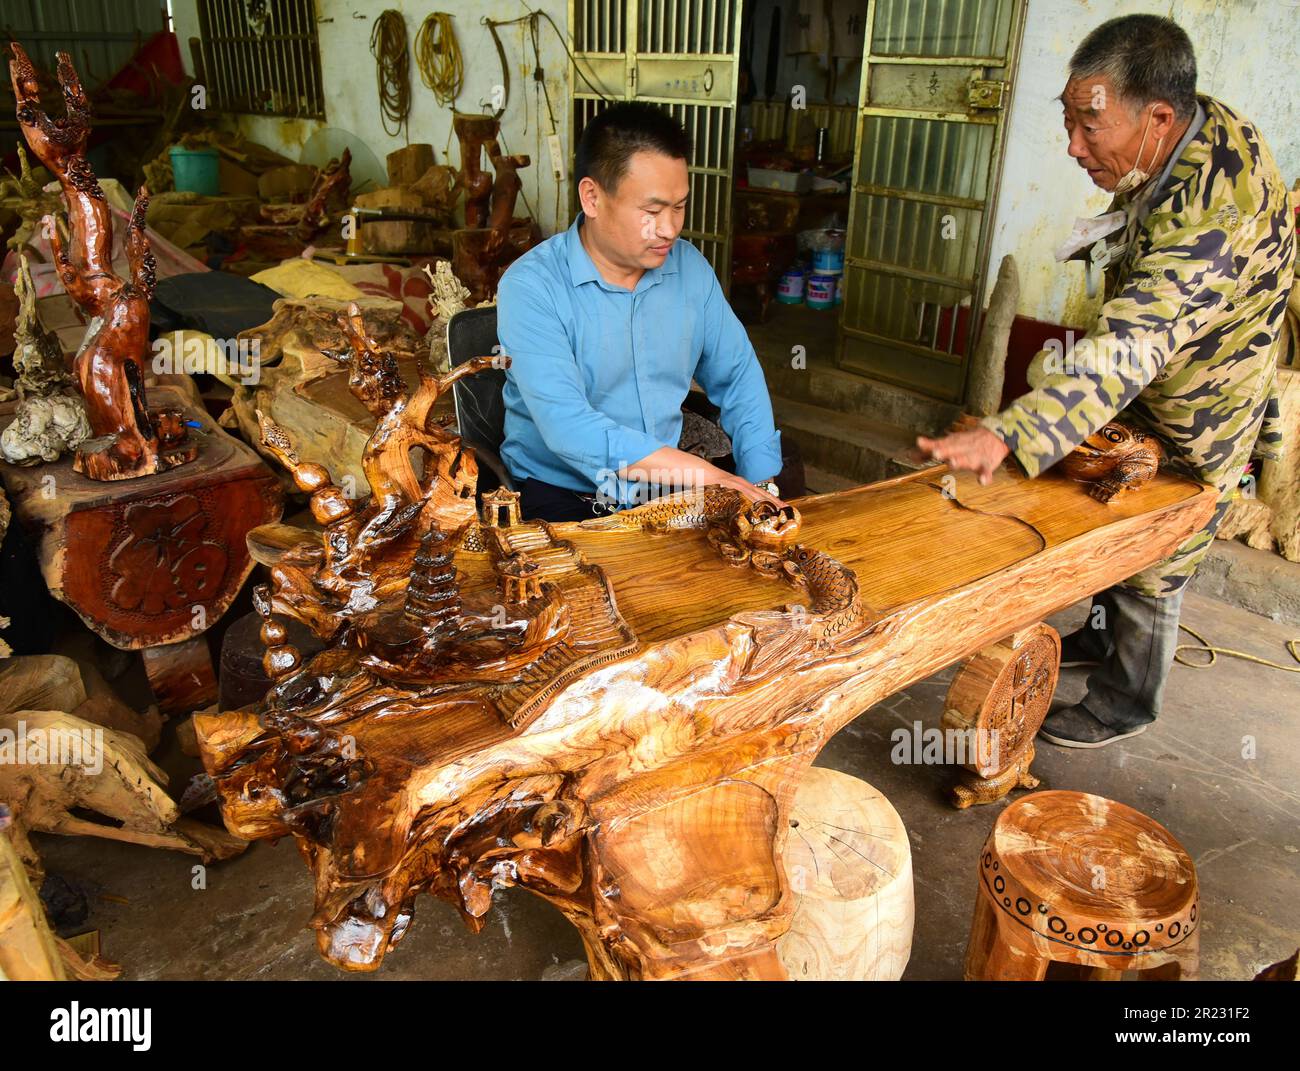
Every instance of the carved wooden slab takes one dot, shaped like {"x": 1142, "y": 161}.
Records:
{"x": 155, "y": 560}
{"x": 616, "y": 714}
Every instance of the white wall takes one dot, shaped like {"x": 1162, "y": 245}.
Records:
{"x": 352, "y": 95}
{"x": 1246, "y": 52}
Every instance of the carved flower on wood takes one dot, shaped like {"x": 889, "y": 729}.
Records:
{"x": 164, "y": 563}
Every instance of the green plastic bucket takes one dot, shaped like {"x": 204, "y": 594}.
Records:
{"x": 195, "y": 171}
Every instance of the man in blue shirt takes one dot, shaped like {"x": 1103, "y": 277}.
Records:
{"x": 606, "y": 325}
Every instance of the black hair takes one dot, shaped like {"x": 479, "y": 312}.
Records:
{"x": 1146, "y": 57}
{"x": 614, "y": 134}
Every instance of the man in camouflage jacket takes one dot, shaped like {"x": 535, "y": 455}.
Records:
{"x": 1184, "y": 345}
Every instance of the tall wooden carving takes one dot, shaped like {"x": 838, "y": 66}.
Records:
{"x": 130, "y": 439}
{"x": 614, "y": 714}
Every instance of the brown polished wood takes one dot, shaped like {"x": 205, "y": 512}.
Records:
{"x": 614, "y": 714}
{"x": 1115, "y": 459}
{"x": 130, "y": 439}
{"x": 152, "y": 561}
{"x": 998, "y": 701}
{"x": 1075, "y": 878}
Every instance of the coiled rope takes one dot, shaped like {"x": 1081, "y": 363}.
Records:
{"x": 393, "y": 68}
{"x": 1205, "y": 648}
{"x": 438, "y": 57}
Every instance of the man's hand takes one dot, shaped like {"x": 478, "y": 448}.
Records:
{"x": 977, "y": 450}
{"x": 670, "y": 467}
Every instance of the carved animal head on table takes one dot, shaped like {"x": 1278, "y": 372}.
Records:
{"x": 1114, "y": 459}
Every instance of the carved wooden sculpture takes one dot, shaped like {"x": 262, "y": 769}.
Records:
{"x": 488, "y": 243}
{"x": 999, "y": 698}
{"x": 1115, "y": 459}
{"x": 130, "y": 440}
{"x": 622, "y": 728}
{"x": 474, "y": 132}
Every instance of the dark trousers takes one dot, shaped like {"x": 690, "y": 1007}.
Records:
{"x": 1134, "y": 636}
{"x": 541, "y": 501}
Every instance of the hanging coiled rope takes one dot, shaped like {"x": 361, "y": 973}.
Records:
{"x": 393, "y": 69}
{"x": 438, "y": 57}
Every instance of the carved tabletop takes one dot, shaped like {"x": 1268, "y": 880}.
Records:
{"x": 615, "y": 714}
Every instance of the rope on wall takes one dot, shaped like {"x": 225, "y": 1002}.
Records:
{"x": 438, "y": 57}
{"x": 393, "y": 70}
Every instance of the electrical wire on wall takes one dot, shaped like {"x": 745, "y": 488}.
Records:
{"x": 393, "y": 69}
{"x": 438, "y": 58}
{"x": 533, "y": 19}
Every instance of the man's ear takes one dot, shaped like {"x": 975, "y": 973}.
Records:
{"x": 589, "y": 197}
{"x": 1163, "y": 118}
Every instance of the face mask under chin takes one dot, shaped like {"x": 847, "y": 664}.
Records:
{"x": 1136, "y": 176}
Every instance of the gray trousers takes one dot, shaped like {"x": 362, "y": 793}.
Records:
{"x": 1134, "y": 636}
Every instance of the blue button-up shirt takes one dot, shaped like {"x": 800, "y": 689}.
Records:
{"x": 598, "y": 372}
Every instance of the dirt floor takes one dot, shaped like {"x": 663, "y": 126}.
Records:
{"x": 1239, "y": 819}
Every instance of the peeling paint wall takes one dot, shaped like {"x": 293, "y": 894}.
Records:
{"x": 1246, "y": 52}
{"x": 352, "y": 95}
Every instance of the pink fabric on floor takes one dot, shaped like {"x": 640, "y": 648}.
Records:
{"x": 407, "y": 285}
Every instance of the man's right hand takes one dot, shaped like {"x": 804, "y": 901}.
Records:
{"x": 692, "y": 471}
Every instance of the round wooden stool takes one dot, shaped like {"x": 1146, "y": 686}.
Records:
{"x": 1075, "y": 878}
{"x": 849, "y": 863}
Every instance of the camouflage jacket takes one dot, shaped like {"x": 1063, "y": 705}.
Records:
{"x": 1185, "y": 342}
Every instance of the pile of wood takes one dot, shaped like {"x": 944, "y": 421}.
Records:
{"x": 418, "y": 187}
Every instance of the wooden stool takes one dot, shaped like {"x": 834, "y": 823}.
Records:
{"x": 849, "y": 863}
{"x": 1075, "y": 878}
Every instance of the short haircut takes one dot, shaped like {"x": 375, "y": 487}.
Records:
{"x": 614, "y": 134}
{"x": 1145, "y": 57}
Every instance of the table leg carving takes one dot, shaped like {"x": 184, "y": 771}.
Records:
{"x": 999, "y": 698}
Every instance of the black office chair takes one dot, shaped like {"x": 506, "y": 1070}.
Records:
{"x": 480, "y": 409}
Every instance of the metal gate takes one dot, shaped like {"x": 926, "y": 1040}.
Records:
{"x": 682, "y": 54}
{"x": 936, "y": 81}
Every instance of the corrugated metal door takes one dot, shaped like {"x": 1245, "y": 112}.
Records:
{"x": 680, "y": 53}
{"x": 936, "y": 82}
{"x": 99, "y": 35}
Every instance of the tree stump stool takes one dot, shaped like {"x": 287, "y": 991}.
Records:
{"x": 1074, "y": 878}
{"x": 849, "y": 864}
{"x": 999, "y": 699}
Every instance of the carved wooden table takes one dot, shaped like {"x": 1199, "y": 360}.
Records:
{"x": 627, "y": 743}
{"x": 152, "y": 563}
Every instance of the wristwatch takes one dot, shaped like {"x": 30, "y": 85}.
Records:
{"x": 770, "y": 487}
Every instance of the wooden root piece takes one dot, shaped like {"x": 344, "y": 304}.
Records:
{"x": 998, "y": 701}
{"x": 55, "y": 767}
{"x": 110, "y": 364}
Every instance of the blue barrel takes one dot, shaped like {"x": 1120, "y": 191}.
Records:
{"x": 195, "y": 171}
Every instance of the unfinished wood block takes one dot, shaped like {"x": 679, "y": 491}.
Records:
{"x": 181, "y": 675}
{"x": 849, "y": 864}
{"x": 407, "y": 164}
{"x": 404, "y": 236}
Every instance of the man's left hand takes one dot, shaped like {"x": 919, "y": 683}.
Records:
{"x": 977, "y": 450}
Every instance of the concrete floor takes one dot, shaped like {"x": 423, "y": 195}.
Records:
{"x": 1238, "y": 818}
